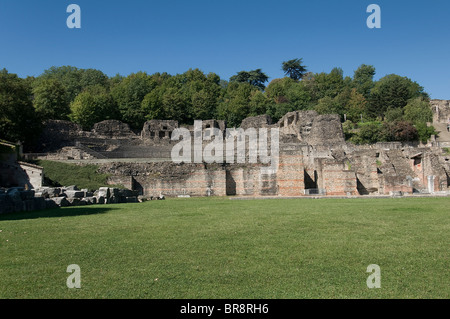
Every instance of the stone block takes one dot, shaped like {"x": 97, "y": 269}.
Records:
{"x": 90, "y": 200}
{"x": 125, "y": 192}
{"x": 83, "y": 202}
{"x": 60, "y": 201}
{"x": 28, "y": 205}
{"x": 74, "y": 194}
{"x": 141, "y": 199}
{"x": 71, "y": 188}
{"x": 132, "y": 200}
{"x": 27, "y": 195}
{"x": 104, "y": 192}
{"x": 50, "y": 203}
{"x": 16, "y": 199}
{"x": 6, "y": 204}
{"x": 39, "y": 203}
{"x": 114, "y": 192}
{"x": 75, "y": 201}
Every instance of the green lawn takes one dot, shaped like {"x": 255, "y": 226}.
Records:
{"x": 221, "y": 248}
{"x": 63, "y": 174}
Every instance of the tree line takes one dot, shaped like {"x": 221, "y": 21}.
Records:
{"x": 394, "y": 108}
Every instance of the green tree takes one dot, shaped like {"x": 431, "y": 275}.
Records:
{"x": 203, "y": 105}
{"x": 394, "y": 115}
{"x": 356, "y": 106}
{"x": 424, "y": 131}
{"x": 363, "y": 79}
{"x": 400, "y": 131}
{"x": 418, "y": 110}
{"x": 328, "y": 105}
{"x": 152, "y": 105}
{"x": 93, "y": 105}
{"x": 368, "y": 133}
{"x": 75, "y": 80}
{"x": 175, "y": 105}
{"x": 286, "y": 95}
{"x": 322, "y": 85}
{"x": 129, "y": 94}
{"x": 236, "y": 104}
{"x": 294, "y": 69}
{"x": 18, "y": 119}
{"x": 256, "y": 78}
{"x": 259, "y": 104}
{"x": 50, "y": 100}
{"x": 391, "y": 92}
{"x": 92, "y": 77}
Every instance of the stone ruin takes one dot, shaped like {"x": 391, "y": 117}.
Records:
{"x": 314, "y": 159}
{"x": 441, "y": 111}
{"x": 158, "y": 130}
{"x": 19, "y": 199}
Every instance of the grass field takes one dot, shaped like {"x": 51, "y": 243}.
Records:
{"x": 63, "y": 174}
{"x": 220, "y": 248}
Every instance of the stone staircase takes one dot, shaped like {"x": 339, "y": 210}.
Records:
{"x": 89, "y": 151}
{"x": 444, "y": 135}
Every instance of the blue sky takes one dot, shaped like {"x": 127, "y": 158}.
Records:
{"x": 229, "y": 36}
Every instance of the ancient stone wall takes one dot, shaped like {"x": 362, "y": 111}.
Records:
{"x": 291, "y": 170}
{"x": 441, "y": 110}
{"x": 314, "y": 159}
{"x": 261, "y": 121}
{"x": 113, "y": 129}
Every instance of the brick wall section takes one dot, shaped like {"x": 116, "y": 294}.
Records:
{"x": 337, "y": 180}
{"x": 290, "y": 174}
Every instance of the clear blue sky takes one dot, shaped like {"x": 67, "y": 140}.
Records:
{"x": 229, "y": 36}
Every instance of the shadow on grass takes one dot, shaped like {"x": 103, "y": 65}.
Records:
{"x": 57, "y": 212}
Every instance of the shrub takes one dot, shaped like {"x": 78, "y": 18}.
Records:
{"x": 367, "y": 133}
{"x": 399, "y": 131}
{"x": 425, "y": 131}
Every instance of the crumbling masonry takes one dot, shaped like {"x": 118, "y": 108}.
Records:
{"x": 314, "y": 159}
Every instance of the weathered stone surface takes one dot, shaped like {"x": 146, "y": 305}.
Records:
{"x": 261, "y": 121}
{"x": 28, "y": 205}
{"x": 39, "y": 203}
{"x": 6, "y": 204}
{"x": 113, "y": 128}
{"x": 142, "y": 199}
{"x": 132, "y": 200}
{"x": 27, "y": 195}
{"x": 74, "y": 201}
{"x": 71, "y": 188}
{"x": 158, "y": 129}
{"x": 60, "y": 201}
{"x": 74, "y": 194}
{"x": 50, "y": 203}
{"x": 104, "y": 192}
{"x": 90, "y": 200}
{"x": 16, "y": 199}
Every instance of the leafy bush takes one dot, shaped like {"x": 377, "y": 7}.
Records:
{"x": 399, "y": 131}
{"x": 367, "y": 133}
{"x": 425, "y": 132}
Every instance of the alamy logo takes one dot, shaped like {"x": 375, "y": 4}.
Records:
{"x": 374, "y": 20}
{"x": 74, "y": 280}
{"x": 236, "y": 146}
{"x": 74, "y": 20}
{"x": 374, "y": 280}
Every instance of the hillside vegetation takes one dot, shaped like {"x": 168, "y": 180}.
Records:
{"x": 393, "y": 108}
